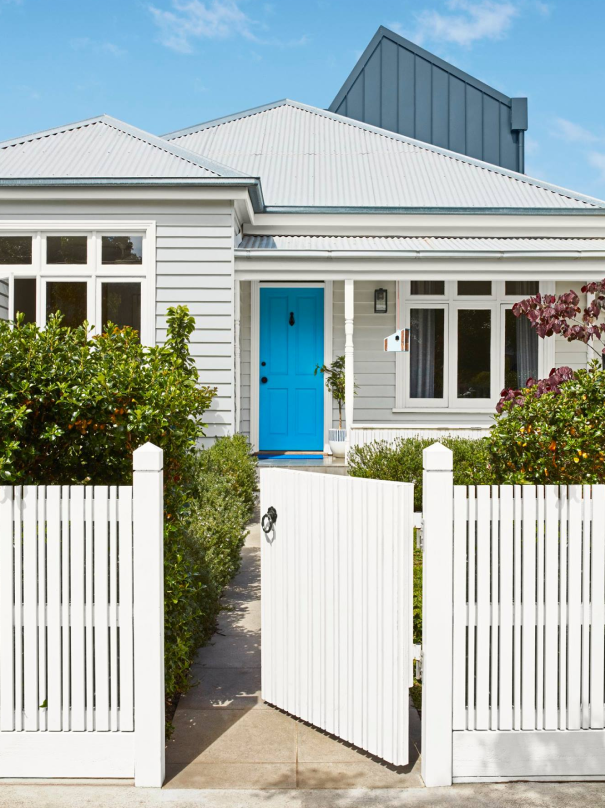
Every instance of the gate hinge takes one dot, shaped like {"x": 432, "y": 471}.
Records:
{"x": 417, "y": 656}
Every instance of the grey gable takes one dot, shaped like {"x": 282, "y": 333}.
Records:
{"x": 401, "y": 87}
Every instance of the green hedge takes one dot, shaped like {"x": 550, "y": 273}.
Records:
{"x": 401, "y": 461}
{"x": 202, "y": 551}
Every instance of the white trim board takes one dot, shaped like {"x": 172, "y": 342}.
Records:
{"x": 255, "y": 287}
{"x": 540, "y": 754}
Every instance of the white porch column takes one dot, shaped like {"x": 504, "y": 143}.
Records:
{"x": 349, "y": 357}
{"x": 236, "y": 357}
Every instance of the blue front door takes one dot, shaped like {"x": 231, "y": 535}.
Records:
{"x": 291, "y": 346}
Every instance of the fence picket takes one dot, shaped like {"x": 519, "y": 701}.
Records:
{"x": 528, "y": 648}
{"x": 495, "y": 603}
{"x": 42, "y": 588}
{"x": 7, "y": 594}
{"x": 460, "y": 609}
{"x": 586, "y": 557}
{"x": 597, "y": 645}
{"x": 517, "y": 545}
{"x": 101, "y": 608}
{"x": 65, "y": 598}
{"x": 30, "y": 608}
{"x": 574, "y": 645}
{"x": 126, "y": 645}
{"x": 18, "y": 608}
{"x": 53, "y": 609}
{"x": 113, "y": 607}
{"x": 505, "y": 705}
{"x": 89, "y": 607}
{"x": 540, "y": 607}
{"x": 563, "y": 568}
{"x": 76, "y": 635}
{"x": 482, "y": 648}
{"x": 551, "y": 606}
{"x": 472, "y": 607}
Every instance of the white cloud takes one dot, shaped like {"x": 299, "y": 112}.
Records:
{"x": 573, "y": 132}
{"x": 532, "y": 146}
{"x": 87, "y": 44}
{"x": 597, "y": 160}
{"x": 469, "y": 21}
{"x": 542, "y": 8}
{"x": 193, "y": 19}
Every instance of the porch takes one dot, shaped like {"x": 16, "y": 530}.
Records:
{"x": 465, "y": 342}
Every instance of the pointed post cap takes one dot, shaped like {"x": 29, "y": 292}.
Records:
{"x": 148, "y": 457}
{"x": 437, "y": 457}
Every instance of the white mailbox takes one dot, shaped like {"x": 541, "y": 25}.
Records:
{"x": 399, "y": 341}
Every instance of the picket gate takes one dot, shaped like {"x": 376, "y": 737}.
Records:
{"x": 81, "y": 628}
{"x": 525, "y": 606}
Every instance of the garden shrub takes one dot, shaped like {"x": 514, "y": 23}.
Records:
{"x": 555, "y": 436}
{"x": 401, "y": 461}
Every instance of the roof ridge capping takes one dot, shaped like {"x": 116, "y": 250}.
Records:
{"x": 180, "y": 152}
{"x": 463, "y": 158}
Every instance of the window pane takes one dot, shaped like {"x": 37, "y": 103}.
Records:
{"x": 15, "y": 249}
{"x": 427, "y": 287}
{"x": 474, "y": 345}
{"x": 522, "y": 288}
{"x": 520, "y": 351}
{"x": 68, "y": 297}
{"x": 427, "y": 334}
{"x": 122, "y": 305}
{"x": 122, "y": 249}
{"x": 474, "y": 287}
{"x": 25, "y": 298}
{"x": 3, "y": 298}
{"x": 66, "y": 249}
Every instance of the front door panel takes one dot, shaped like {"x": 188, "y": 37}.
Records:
{"x": 291, "y": 346}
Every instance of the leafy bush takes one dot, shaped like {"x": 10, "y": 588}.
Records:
{"x": 401, "y": 461}
{"x": 556, "y": 437}
{"x": 74, "y": 407}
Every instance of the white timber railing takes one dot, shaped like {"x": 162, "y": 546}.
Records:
{"x": 513, "y": 631}
{"x": 82, "y": 628}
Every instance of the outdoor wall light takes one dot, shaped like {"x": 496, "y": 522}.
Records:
{"x": 380, "y": 301}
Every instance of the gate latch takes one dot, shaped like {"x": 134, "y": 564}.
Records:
{"x": 420, "y": 536}
{"x": 417, "y": 656}
{"x": 269, "y": 519}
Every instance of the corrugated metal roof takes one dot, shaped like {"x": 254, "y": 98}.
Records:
{"x": 420, "y": 244}
{"x": 307, "y": 156}
{"x": 102, "y": 147}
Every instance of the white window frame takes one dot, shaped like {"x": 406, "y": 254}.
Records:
{"x": 94, "y": 272}
{"x": 497, "y": 303}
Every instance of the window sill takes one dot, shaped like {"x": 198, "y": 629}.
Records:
{"x": 447, "y": 410}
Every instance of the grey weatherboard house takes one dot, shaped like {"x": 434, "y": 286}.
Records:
{"x": 277, "y": 226}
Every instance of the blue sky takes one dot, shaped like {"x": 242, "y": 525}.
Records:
{"x": 165, "y": 64}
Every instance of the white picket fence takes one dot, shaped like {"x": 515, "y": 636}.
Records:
{"x": 81, "y": 628}
{"x": 514, "y": 630}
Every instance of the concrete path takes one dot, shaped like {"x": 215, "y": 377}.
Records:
{"x": 227, "y": 737}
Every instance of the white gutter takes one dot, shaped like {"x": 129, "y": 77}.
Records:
{"x": 416, "y": 254}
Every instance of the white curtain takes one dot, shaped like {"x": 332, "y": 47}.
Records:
{"x": 422, "y": 353}
{"x": 527, "y": 351}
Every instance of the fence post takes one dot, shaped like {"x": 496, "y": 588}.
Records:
{"x": 148, "y": 517}
{"x": 437, "y": 615}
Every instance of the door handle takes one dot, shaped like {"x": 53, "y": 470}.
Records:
{"x": 264, "y": 380}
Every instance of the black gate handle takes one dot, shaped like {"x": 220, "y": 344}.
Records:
{"x": 291, "y": 320}
{"x": 269, "y": 519}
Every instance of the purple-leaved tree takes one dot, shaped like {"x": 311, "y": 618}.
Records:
{"x": 561, "y": 314}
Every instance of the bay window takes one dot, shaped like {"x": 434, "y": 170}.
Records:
{"x": 98, "y": 276}
{"x": 465, "y": 344}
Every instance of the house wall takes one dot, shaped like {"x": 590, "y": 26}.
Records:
{"x": 571, "y": 354}
{"x": 3, "y": 299}
{"x": 245, "y": 296}
{"x": 194, "y": 266}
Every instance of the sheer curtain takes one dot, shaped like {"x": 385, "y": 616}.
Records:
{"x": 422, "y": 353}
{"x": 527, "y": 351}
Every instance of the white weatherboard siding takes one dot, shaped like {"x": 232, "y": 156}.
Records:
{"x": 572, "y": 354}
{"x": 374, "y": 369}
{"x": 3, "y": 299}
{"x": 194, "y": 266}
{"x": 245, "y": 356}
